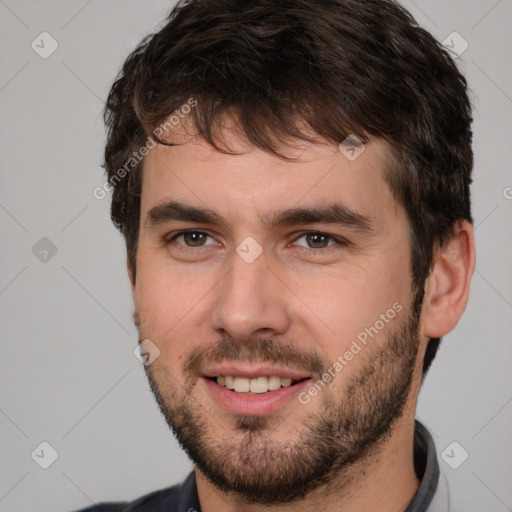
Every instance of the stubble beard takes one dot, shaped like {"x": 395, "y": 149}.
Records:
{"x": 243, "y": 457}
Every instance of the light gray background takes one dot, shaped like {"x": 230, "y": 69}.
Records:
{"x": 68, "y": 374}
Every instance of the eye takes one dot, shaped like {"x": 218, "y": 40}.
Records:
{"x": 313, "y": 240}
{"x": 190, "y": 238}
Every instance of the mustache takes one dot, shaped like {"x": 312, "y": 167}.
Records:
{"x": 261, "y": 350}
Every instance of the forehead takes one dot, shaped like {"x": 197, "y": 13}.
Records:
{"x": 254, "y": 183}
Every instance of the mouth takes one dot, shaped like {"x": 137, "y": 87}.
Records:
{"x": 253, "y": 393}
{"x": 254, "y": 386}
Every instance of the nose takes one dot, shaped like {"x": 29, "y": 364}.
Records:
{"x": 250, "y": 300}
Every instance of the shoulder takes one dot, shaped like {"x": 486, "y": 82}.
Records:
{"x": 163, "y": 500}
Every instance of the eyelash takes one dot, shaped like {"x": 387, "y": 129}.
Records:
{"x": 340, "y": 242}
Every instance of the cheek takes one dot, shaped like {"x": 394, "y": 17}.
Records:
{"x": 163, "y": 297}
{"x": 167, "y": 306}
{"x": 173, "y": 304}
{"x": 341, "y": 304}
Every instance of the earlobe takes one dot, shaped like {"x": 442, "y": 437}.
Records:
{"x": 447, "y": 287}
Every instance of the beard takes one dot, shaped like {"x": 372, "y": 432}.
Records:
{"x": 347, "y": 426}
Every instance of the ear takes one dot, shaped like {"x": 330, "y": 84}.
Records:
{"x": 447, "y": 287}
{"x": 131, "y": 275}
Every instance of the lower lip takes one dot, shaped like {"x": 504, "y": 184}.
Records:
{"x": 264, "y": 403}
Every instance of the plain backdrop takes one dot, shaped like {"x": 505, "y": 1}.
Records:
{"x": 68, "y": 374}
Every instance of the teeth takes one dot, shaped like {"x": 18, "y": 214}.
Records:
{"x": 257, "y": 385}
{"x": 274, "y": 383}
{"x": 229, "y": 382}
{"x": 242, "y": 385}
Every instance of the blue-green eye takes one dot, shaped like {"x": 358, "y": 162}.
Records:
{"x": 311, "y": 241}
{"x": 191, "y": 238}
{"x": 317, "y": 240}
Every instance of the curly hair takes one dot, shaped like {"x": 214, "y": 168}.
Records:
{"x": 336, "y": 67}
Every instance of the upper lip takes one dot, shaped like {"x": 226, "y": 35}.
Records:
{"x": 252, "y": 371}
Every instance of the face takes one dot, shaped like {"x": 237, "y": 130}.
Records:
{"x": 279, "y": 296}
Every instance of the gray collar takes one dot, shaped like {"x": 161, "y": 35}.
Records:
{"x": 426, "y": 467}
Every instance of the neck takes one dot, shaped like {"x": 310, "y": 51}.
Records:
{"x": 385, "y": 480}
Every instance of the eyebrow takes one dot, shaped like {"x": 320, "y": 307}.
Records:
{"x": 334, "y": 213}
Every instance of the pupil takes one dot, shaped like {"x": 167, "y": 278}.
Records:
{"x": 194, "y": 239}
{"x": 316, "y": 238}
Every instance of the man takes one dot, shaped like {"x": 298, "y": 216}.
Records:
{"x": 292, "y": 181}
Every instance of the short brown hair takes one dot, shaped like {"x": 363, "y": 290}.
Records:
{"x": 338, "y": 67}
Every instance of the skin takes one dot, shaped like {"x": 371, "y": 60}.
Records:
{"x": 189, "y": 298}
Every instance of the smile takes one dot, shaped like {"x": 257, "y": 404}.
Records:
{"x": 253, "y": 396}
{"x": 256, "y": 385}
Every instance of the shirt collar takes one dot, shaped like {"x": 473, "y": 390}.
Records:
{"x": 426, "y": 467}
{"x": 189, "y": 501}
